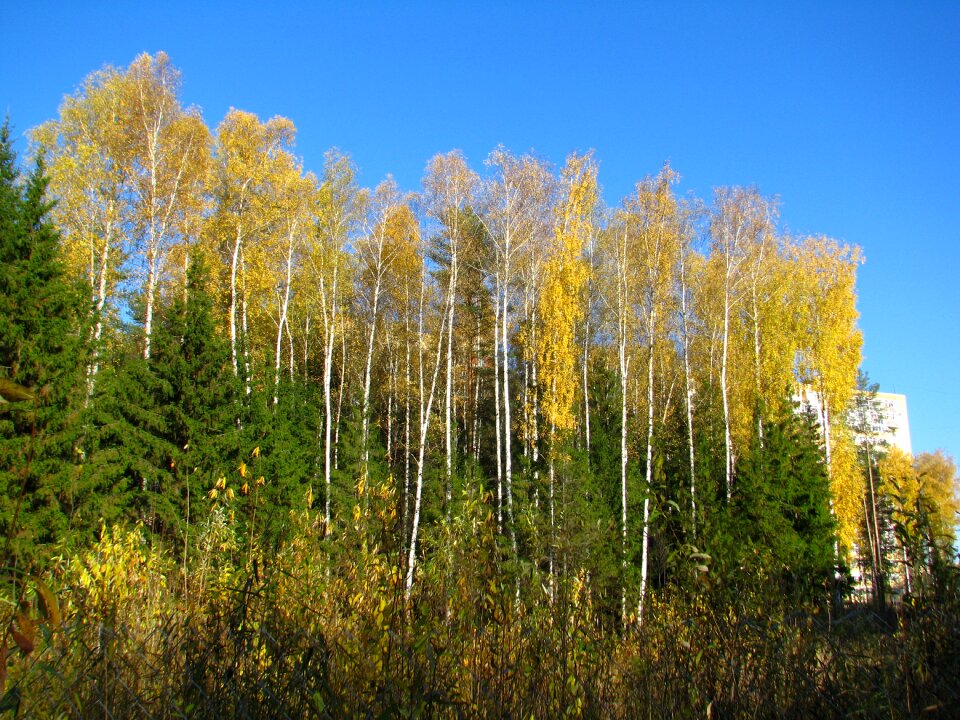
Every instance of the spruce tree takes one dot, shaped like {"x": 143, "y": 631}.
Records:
{"x": 780, "y": 514}
{"x": 192, "y": 363}
{"x": 289, "y": 455}
{"x": 164, "y": 428}
{"x": 41, "y": 360}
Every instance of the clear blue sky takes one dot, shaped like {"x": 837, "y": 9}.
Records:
{"x": 849, "y": 112}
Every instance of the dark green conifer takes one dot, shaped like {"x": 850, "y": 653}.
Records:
{"x": 165, "y": 427}
{"x": 780, "y": 515}
{"x": 193, "y": 363}
{"x": 41, "y": 361}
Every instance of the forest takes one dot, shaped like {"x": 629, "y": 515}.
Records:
{"x": 273, "y": 444}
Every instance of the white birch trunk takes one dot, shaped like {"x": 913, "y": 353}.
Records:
{"x": 365, "y": 420}
{"x": 727, "y": 437}
{"x": 507, "y": 458}
{"x": 448, "y": 399}
{"x": 424, "y": 428}
{"x": 151, "y": 289}
{"x": 246, "y": 336}
{"x": 496, "y": 395}
{"x": 688, "y": 386}
{"x": 234, "y": 269}
{"x": 756, "y": 340}
{"x": 343, "y": 379}
{"x": 100, "y": 299}
{"x": 282, "y": 320}
{"x": 645, "y": 551}
{"x": 406, "y": 419}
{"x": 586, "y": 386}
{"x": 328, "y": 298}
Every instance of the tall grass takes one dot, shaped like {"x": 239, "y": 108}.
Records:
{"x": 314, "y": 630}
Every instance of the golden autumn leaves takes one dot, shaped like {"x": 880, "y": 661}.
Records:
{"x": 223, "y": 491}
{"x": 560, "y": 304}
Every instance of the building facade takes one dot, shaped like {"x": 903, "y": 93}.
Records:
{"x": 880, "y": 417}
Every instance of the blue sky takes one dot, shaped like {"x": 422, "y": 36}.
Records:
{"x": 849, "y": 112}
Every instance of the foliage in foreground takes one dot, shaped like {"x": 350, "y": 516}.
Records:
{"x": 311, "y": 633}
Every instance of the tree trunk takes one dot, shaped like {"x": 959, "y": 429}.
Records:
{"x": 424, "y": 427}
{"x": 234, "y": 269}
{"x": 496, "y": 395}
{"x": 727, "y": 437}
{"x": 689, "y": 391}
{"x": 448, "y": 396}
{"x": 365, "y": 420}
{"x": 507, "y": 451}
{"x": 328, "y": 298}
{"x": 651, "y": 326}
{"x": 246, "y": 335}
{"x": 282, "y": 321}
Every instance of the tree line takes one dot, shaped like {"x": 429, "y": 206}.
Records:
{"x": 202, "y": 336}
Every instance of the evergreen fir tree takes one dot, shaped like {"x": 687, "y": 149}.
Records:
{"x": 780, "y": 516}
{"x": 164, "y": 428}
{"x": 41, "y": 360}
{"x": 192, "y": 362}
{"x": 129, "y": 458}
{"x": 286, "y": 434}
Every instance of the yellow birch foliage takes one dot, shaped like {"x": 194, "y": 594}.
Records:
{"x": 165, "y": 156}
{"x": 81, "y": 148}
{"x": 781, "y": 331}
{"x": 403, "y": 232}
{"x": 832, "y": 355}
{"x": 246, "y": 153}
{"x": 924, "y": 493}
{"x": 939, "y": 488}
{"x": 829, "y": 358}
{"x": 652, "y": 218}
{"x": 127, "y": 167}
{"x": 899, "y": 482}
{"x": 560, "y": 302}
{"x": 846, "y": 484}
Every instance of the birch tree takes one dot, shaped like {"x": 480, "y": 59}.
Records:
{"x": 165, "y": 162}
{"x": 128, "y": 166}
{"x": 514, "y": 202}
{"x": 82, "y": 153}
{"x": 762, "y": 256}
{"x": 625, "y": 282}
{"x": 652, "y": 213}
{"x": 448, "y": 189}
{"x": 294, "y": 206}
{"x": 737, "y": 213}
{"x": 561, "y": 311}
{"x": 339, "y": 210}
{"x": 688, "y": 214}
{"x": 244, "y": 152}
{"x": 829, "y": 360}
{"x": 376, "y": 251}
{"x": 426, "y": 396}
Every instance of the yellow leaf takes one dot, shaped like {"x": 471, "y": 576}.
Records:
{"x": 48, "y": 603}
